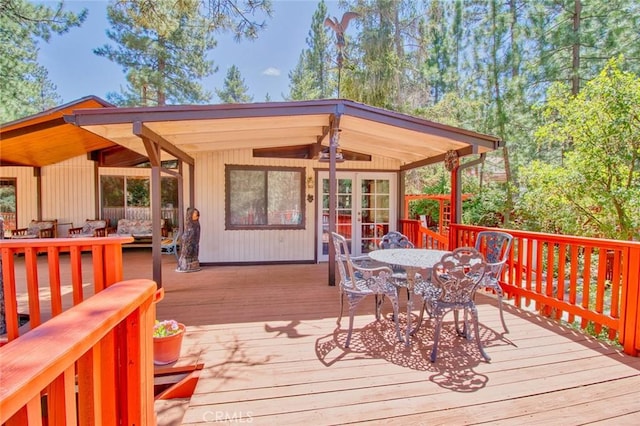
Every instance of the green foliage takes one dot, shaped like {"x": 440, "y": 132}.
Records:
{"x": 486, "y": 207}
{"x": 234, "y": 91}
{"x": 161, "y": 66}
{"x": 24, "y": 85}
{"x": 595, "y": 191}
{"x": 217, "y": 15}
{"x": 312, "y": 78}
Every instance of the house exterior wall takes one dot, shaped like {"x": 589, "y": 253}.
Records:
{"x": 218, "y": 245}
{"x": 26, "y": 193}
{"x": 67, "y": 193}
{"x": 69, "y": 196}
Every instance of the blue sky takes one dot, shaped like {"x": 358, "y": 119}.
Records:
{"x": 264, "y": 64}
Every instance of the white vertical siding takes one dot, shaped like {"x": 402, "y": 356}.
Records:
{"x": 68, "y": 192}
{"x": 68, "y": 195}
{"x": 26, "y": 196}
{"x": 219, "y": 245}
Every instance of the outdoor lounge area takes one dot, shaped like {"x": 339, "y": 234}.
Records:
{"x": 271, "y": 353}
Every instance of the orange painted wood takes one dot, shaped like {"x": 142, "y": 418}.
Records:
{"x": 36, "y": 359}
{"x": 54, "y": 280}
{"x": 109, "y": 390}
{"x": 99, "y": 278}
{"x": 76, "y": 274}
{"x": 61, "y": 399}
{"x": 89, "y": 387}
{"x": 31, "y": 265}
{"x": 631, "y": 304}
{"x": 10, "y": 298}
{"x": 52, "y": 247}
{"x": 562, "y": 260}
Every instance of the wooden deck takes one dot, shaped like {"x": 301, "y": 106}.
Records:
{"x": 272, "y": 355}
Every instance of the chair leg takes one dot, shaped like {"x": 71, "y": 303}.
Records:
{"x": 436, "y": 335}
{"x": 504, "y": 324}
{"x": 496, "y": 287}
{"x": 379, "y": 300}
{"x": 341, "y": 308}
{"x": 394, "y": 302}
{"x": 351, "y": 313}
{"x": 474, "y": 317}
{"x": 420, "y": 318}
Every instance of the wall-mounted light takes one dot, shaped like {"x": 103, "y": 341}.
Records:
{"x": 310, "y": 182}
{"x": 310, "y": 198}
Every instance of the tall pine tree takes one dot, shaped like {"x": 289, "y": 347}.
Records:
{"x": 312, "y": 78}
{"x": 24, "y": 85}
{"x": 235, "y": 90}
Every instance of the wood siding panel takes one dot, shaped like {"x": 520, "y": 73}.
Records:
{"x": 26, "y": 197}
{"x": 68, "y": 192}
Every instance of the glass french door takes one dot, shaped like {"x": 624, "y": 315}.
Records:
{"x": 365, "y": 210}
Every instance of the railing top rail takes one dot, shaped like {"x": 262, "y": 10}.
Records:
{"x": 559, "y": 238}
{"x": 64, "y": 339}
{"x": 63, "y": 242}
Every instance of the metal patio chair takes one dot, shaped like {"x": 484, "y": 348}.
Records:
{"x": 357, "y": 282}
{"x": 495, "y": 246}
{"x": 453, "y": 284}
{"x": 170, "y": 245}
{"x": 391, "y": 240}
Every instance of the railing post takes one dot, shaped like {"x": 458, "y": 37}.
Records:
{"x": 630, "y": 327}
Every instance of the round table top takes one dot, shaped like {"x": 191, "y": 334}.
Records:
{"x": 408, "y": 257}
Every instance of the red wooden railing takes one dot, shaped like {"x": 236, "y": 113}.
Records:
{"x": 92, "y": 364}
{"x": 590, "y": 281}
{"x": 106, "y": 261}
{"x": 423, "y": 237}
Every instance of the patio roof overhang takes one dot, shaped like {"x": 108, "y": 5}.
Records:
{"x": 299, "y": 129}
{"x": 44, "y": 139}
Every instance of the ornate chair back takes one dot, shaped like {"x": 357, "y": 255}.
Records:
{"x": 395, "y": 239}
{"x": 358, "y": 282}
{"x": 457, "y": 275}
{"x": 495, "y": 246}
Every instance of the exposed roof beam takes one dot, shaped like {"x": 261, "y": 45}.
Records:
{"x": 142, "y": 131}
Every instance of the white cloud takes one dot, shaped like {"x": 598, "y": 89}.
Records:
{"x": 271, "y": 71}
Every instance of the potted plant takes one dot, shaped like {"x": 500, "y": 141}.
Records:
{"x": 167, "y": 341}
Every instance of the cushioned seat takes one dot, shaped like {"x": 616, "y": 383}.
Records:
{"x": 91, "y": 228}
{"x": 37, "y": 229}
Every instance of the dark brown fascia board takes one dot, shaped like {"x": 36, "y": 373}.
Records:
{"x": 294, "y": 151}
{"x": 142, "y": 131}
{"x": 421, "y": 125}
{"x": 101, "y": 116}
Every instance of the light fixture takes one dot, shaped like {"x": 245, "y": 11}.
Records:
{"x": 310, "y": 182}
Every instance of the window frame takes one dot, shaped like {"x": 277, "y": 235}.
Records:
{"x": 228, "y": 196}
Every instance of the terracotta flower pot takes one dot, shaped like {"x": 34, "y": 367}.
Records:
{"x": 167, "y": 349}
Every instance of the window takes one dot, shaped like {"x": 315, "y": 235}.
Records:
{"x": 264, "y": 197}
{"x": 128, "y": 197}
{"x": 8, "y": 204}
